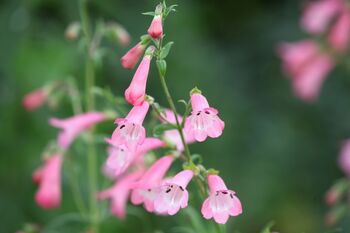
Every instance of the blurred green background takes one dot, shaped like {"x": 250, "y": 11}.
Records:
{"x": 278, "y": 153}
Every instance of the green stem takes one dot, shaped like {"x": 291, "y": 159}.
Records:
{"x": 90, "y": 106}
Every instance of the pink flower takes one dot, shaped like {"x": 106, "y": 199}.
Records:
{"x": 73, "y": 126}
{"x": 130, "y": 59}
{"x": 340, "y": 33}
{"x": 130, "y": 130}
{"x": 318, "y": 15}
{"x": 119, "y": 193}
{"x": 221, "y": 202}
{"x": 344, "y": 157}
{"x": 173, "y": 194}
{"x": 136, "y": 92}
{"x": 146, "y": 189}
{"x": 49, "y": 193}
{"x": 203, "y": 121}
{"x": 307, "y": 66}
{"x": 156, "y": 28}
{"x": 35, "y": 99}
{"x": 173, "y": 135}
{"x": 122, "y": 35}
{"x": 120, "y": 158}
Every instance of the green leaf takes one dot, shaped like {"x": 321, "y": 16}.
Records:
{"x": 165, "y": 50}
{"x": 161, "y": 64}
{"x": 151, "y": 13}
{"x": 159, "y": 129}
{"x": 267, "y": 228}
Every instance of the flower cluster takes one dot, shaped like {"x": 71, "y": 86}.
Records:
{"x": 308, "y": 62}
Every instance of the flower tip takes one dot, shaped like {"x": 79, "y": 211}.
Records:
{"x": 195, "y": 90}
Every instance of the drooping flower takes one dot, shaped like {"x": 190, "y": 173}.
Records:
{"x": 173, "y": 135}
{"x": 135, "y": 94}
{"x": 155, "y": 30}
{"x": 49, "y": 193}
{"x": 120, "y": 158}
{"x": 318, "y": 15}
{"x": 130, "y": 130}
{"x": 35, "y": 99}
{"x": 344, "y": 157}
{"x": 173, "y": 194}
{"x": 221, "y": 202}
{"x": 130, "y": 59}
{"x": 119, "y": 193}
{"x": 73, "y": 126}
{"x": 203, "y": 121}
{"x": 146, "y": 189}
{"x": 307, "y": 67}
{"x": 340, "y": 33}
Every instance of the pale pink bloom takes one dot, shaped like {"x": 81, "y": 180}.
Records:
{"x": 344, "y": 157}
{"x": 130, "y": 59}
{"x": 203, "y": 121}
{"x": 155, "y": 30}
{"x": 35, "y": 99}
{"x": 73, "y": 126}
{"x": 136, "y": 92}
{"x": 340, "y": 33}
{"x": 307, "y": 66}
{"x": 173, "y": 194}
{"x": 130, "y": 130}
{"x": 49, "y": 193}
{"x": 146, "y": 189}
{"x": 221, "y": 202}
{"x": 122, "y": 35}
{"x": 173, "y": 135}
{"x": 318, "y": 15}
{"x": 119, "y": 193}
{"x": 120, "y": 158}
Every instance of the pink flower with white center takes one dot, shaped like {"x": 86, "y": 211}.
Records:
{"x": 119, "y": 193}
{"x": 340, "y": 33}
{"x": 307, "y": 66}
{"x": 146, "y": 189}
{"x": 73, "y": 126}
{"x": 130, "y": 130}
{"x": 136, "y": 92}
{"x": 49, "y": 193}
{"x": 221, "y": 202}
{"x": 130, "y": 59}
{"x": 319, "y": 14}
{"x": 203, "y": 121}
{"x": 173, "y": 194}
{"x": 155, "y": 30}
{"x": 344, "y": 157}
{"x": 35, "y": 99}
{"x": 120, "y": 158}
{"x": 173, "y": 135}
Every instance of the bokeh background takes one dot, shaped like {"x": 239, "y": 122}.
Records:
{"x": 278, "y": 153}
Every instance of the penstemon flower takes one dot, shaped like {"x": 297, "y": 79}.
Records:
{"x": 221, "y": 202}
{"x": 130, "y": 59}
{"x": 136, "y": 92}
{"x": 35, "y": 99}
{"x": 173, "y": 194}
{"x": 146, "y": 189}
{"x": 73, "y": 126}
{"x": 130, "y": 131}
{"x": 155, "y": 30}
{"x": 203, "y": 121}
{"x": 340, "y": 33}
{"x": 48, "y": 195}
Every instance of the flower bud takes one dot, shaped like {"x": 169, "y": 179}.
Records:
{"x": 72, "y": 31}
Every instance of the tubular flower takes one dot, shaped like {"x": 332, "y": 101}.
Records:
{"x": 344, "y": 157}
{"x": 130, "y": 59}
{"x": 340, "y": 33}
{"x": 119, "y": 193}
{"x": 318, "y": 15}
{"x": 146, "y": 189}
{"x": 49, "y": 193}
{"x": 307, "y": 66}
{"x": 73, "y": 126}
{"x": 35, "y": 99}
{"x": 173, "y": 135}
{"x": 155, "y": 30}
{"x": 221, "y": 202}
{"x": 136, "y": 92}
{"x": 130, "y": 130}
{"x": 173, "y": 194}
{"x": 203, "y": 121}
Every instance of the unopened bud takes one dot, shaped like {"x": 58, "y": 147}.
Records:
{"x": 72, "y": 31}
{"x": 336, "y": 192}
